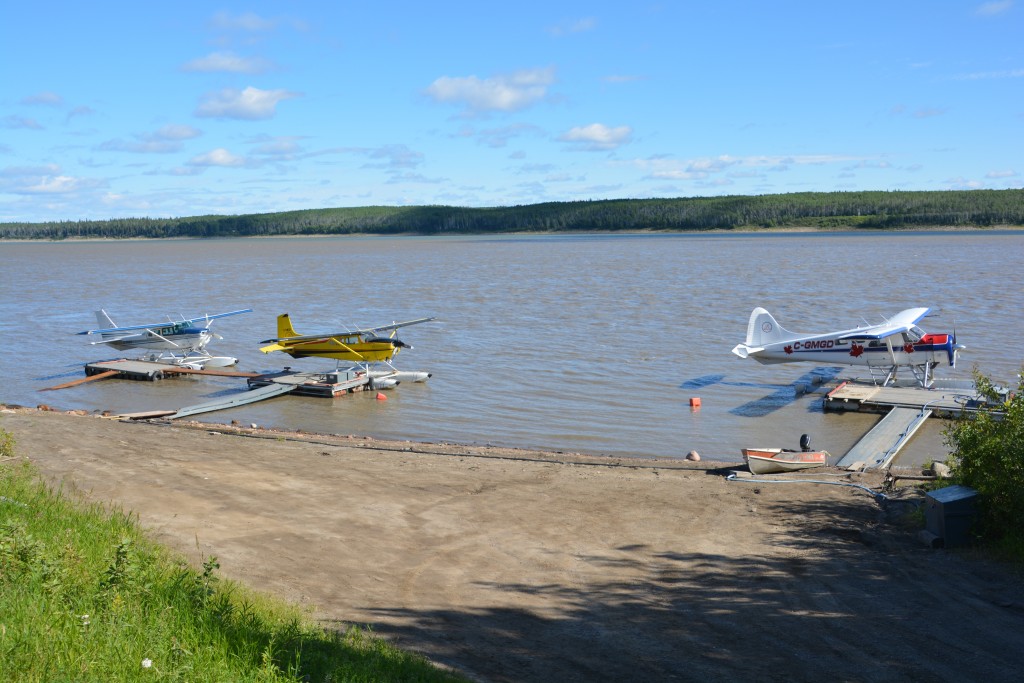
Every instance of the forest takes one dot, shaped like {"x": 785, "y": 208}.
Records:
{"x": 881, "y": 210}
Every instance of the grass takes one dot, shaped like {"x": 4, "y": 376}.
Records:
{"x": 84, "y": 596}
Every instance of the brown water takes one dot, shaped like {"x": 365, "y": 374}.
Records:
{"x": 590, "y": 343}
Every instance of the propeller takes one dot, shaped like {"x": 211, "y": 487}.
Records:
{"x": 954, "y": 347}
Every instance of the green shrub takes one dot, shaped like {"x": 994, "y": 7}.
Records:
{"x": 987, "y": 454}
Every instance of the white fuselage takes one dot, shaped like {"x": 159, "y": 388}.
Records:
{"x": 896, "y": 343}
{"x": 896, "y": 350}
{"x": 172, "y": 337}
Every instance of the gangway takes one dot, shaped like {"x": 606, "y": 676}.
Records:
{"x": 240, "y": 399}
{"x": 878, "y": 448}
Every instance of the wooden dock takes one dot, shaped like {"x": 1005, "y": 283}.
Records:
{"x": 262, "y": 387}
{"x": 323, "y": 385}
{"x": 867, "y": 398}
{"x": 905, "y": 410}
{"x": 145, "y": 370}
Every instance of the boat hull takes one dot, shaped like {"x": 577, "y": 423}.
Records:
{"x": 774, "y": 460}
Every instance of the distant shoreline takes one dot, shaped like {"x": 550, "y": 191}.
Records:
{"x": 790, "y": 212}
{"x": 716, "y": 231}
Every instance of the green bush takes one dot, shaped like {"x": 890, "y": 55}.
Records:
{"x": 987, "y": 454}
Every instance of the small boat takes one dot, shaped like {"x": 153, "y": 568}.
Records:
{"x": 771, "y": 460}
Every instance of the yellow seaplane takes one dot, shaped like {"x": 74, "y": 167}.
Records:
{"x": 359, "y": 346}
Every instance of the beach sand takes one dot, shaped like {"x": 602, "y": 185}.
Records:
{"x": 511, "y": 565}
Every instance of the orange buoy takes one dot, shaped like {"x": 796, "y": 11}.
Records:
{"x": 695, "y": 402}
{"x": 381, "y": 397}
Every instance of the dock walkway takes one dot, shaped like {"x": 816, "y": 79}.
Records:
{"x": 905, "y": 410}
{"x": 879, "y": 447}
{"x": 235, "y": 400}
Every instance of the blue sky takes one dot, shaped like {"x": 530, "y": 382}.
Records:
{"x": 118, "y": 109}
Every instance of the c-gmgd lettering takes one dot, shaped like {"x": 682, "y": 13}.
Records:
{"x": 814, "y": 344}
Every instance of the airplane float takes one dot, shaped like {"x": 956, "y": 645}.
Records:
{"x": 363, "y": 346}
{"x": 883, "y": 348}
{"x": 179, "y": 342}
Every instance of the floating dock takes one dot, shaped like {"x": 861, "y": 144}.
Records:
{"x": 867, "y": 398}
{"x": 905, "y": 410}
{"x": 262, "y": 387}
{"x": 148, "y": 371}
{"x": 325, "y": 385}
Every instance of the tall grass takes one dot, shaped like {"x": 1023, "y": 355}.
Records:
{"x": 84, "y": 596}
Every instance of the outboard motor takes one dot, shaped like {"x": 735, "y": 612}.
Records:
{"x": 805, "y": 442}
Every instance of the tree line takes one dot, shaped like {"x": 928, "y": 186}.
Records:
{"x": 826, "y": 210}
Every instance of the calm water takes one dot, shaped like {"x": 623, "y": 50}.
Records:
{"x": 575, "y": 343}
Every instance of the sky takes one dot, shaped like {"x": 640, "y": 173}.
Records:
{"x": 143, "y": 109}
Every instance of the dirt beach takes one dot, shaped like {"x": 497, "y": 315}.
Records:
{"x": 511, "y": 565}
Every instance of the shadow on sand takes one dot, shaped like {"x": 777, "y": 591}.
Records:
{"x": 870, "y": 605}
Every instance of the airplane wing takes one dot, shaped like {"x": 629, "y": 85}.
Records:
{"x": 393, "y": 326}
{"x": 901, "y": 322}
{"x": 346, "y": 333}
{"x": 219, "y": 315}
{"x": 130, "y": 328}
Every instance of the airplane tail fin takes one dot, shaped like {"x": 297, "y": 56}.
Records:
{"x": 105, "y": 323}
{"x": 103, "y": 320}
{"x": 284, "y": 327}
{"x": 762, "y": 329}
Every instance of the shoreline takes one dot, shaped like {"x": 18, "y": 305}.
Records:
{"x": 1001, "y": 229}
{"x": 516, "y": 565}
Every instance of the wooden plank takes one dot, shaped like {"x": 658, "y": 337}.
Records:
{"x": 83, "y": 380}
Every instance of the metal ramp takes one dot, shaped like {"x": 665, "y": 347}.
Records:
{"x": 878, "y": 448}
{"x": 244, "y": 398}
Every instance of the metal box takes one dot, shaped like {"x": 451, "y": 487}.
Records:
{"x": 339, "y": 376}
{"x": 949, "y": 513}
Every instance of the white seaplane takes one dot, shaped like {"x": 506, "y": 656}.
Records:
{"x": 884, "y": 348}
{"x": 175, "y": 342}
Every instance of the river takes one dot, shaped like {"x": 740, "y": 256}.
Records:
{"x": 589, "y": 343}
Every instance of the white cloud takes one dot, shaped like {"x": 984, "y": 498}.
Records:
{"x": 247, "y": 21}
{"x": 250, "y": 104}
{"x": 162, "y": 141}
{"x": 929, "y": 113}
{"x": 597, "y": 136}
{"x": 219, "y": 157}
{"x": 394, "y": 157}
{"x": 991, "y": 9}
{"x": 284, "y": 147}
{"x": 663, "y": 168}
{"x": 228, "y": 62}
{"x": 1008, "y": 173}
{"x": 577, "y": 26}
{"x": 60, "y": 184}
{"x": 176, "y": 132}
{"x": 81, "y": 110}
{"x": 42, "y": 180}
{"x": 510, "y": 92}
{"x": 16, "y": 122}
{"x": 989, "y": 75}
{"x": 49, "y": 99}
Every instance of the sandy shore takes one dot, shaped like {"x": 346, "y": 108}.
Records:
{"x": 521, "y": 566}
